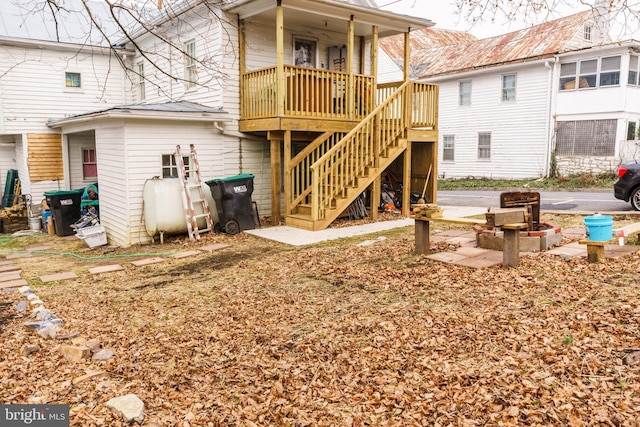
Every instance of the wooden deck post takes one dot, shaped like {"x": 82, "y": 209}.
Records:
{"x": 280, "y": 79}
{"x": 406, "y": 182}
{"x": 375, "y": 198}
{"x": 422, "y": 236}
{"x": 275, "y": 181}
{"x": 511, "y": 248}
{"x": 595, "y": 251}
{"x": 351, "y": 99}
{"x": 287, "y": 173}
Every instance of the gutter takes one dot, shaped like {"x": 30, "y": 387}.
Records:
{"x": 58, "y": 46}
{"x": 550, "y": 114}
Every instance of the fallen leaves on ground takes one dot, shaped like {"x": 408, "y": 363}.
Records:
{"x": 336, "y": 335}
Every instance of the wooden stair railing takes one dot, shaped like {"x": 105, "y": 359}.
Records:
{"x": 350, "y": 166}
{"x": 299, "y": 172}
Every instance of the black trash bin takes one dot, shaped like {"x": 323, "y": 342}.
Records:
{"x": 233, "y": 203}
{"x": 65, "y": 209}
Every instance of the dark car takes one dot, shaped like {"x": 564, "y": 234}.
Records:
{"x": 627, "y": 186}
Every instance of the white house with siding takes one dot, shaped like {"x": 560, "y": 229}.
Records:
{"x": 45, "y": 74}
{"x": 183, "y": 86}
{"x": 519, "y": 105}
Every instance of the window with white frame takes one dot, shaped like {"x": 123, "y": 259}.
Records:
{"x": 588, "y": 32}
{"x": 568, "y": 75}
{"x": 72, "y": 79}
{"x": 593, "y": 73}
{"x": 464, "y": 92}
{"x": 448, "y": 143}
{"x": 509, "y": 88}
{"x": 631, "y": 131}
{"x": 89, "y": 164}
{"x": 484, "y": 145}
{"x": 633, "y": 70}
{"x": 588, "y": 73}
{"x": 140, "y": 79}
{"x": 610, "y": 71}
{"x": 190, "y": 64}
{"x": 169, "y": 167}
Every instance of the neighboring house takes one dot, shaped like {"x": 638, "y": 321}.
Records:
{"x": 286, "y": 92}
{"x": 44, "y": 74}
{"x": 553, "y": 98}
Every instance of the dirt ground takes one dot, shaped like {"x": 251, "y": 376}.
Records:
{"x": 333, "y": 334}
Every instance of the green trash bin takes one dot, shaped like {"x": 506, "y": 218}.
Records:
{"x": 65, "y": 210}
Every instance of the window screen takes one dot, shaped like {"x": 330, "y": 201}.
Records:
{"x": 586, "y": 138}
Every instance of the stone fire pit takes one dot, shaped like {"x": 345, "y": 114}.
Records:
{"x": 539, "y": 236}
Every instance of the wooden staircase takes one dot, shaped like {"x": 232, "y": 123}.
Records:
{"x": 327, "y": 176}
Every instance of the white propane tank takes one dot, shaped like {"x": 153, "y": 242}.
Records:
{"x": 163, "y": 210}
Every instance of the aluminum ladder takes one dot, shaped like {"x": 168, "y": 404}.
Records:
{"x": 187, "y": 201}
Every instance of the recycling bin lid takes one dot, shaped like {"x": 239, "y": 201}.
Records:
{"x": 62, "y": 193}
{"x": 233, "y": 178}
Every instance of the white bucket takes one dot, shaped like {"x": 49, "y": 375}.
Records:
{"x": 35, "y": 224}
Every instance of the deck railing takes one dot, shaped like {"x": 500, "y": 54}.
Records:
{"x": 360, "y": 149}
{"x": 299, "y": 175}
{"x": 309, "y": 92}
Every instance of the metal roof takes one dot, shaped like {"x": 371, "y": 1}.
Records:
{"x": 440, "y": 57}
{"x": 64, "y": 21}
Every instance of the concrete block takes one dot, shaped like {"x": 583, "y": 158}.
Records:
{"x": 74, "y": 353}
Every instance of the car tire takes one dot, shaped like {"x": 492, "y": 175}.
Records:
{"x": 635, "y": 199}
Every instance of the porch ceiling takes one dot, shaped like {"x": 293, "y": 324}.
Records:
{"x": 329, "y": 15}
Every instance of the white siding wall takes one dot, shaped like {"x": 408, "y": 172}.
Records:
{"x": 32, "y": 89}
{"x": 261, "y": 43}
{"x": 211, "y": 74}
{"x": 388, "y": 71}
{"x": 33, "y": 86}
{"x": 127, "y": 169}
{"x": 518, "y": 129}
{"x": 113, "y": 166}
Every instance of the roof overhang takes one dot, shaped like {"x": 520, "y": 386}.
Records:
{"x": 146, "y": 113}
{"x": 388, "y": 23}
{"x": 57, "y": 46}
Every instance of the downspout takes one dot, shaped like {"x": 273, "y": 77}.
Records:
{"x": 550, "y": 114}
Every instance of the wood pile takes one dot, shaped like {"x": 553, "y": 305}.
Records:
{"x": 426, "y": 211}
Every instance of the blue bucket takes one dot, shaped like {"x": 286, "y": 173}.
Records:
{"x": 599, "y": 227}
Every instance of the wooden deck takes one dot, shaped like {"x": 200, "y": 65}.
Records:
{"x": 353, "y": 131}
